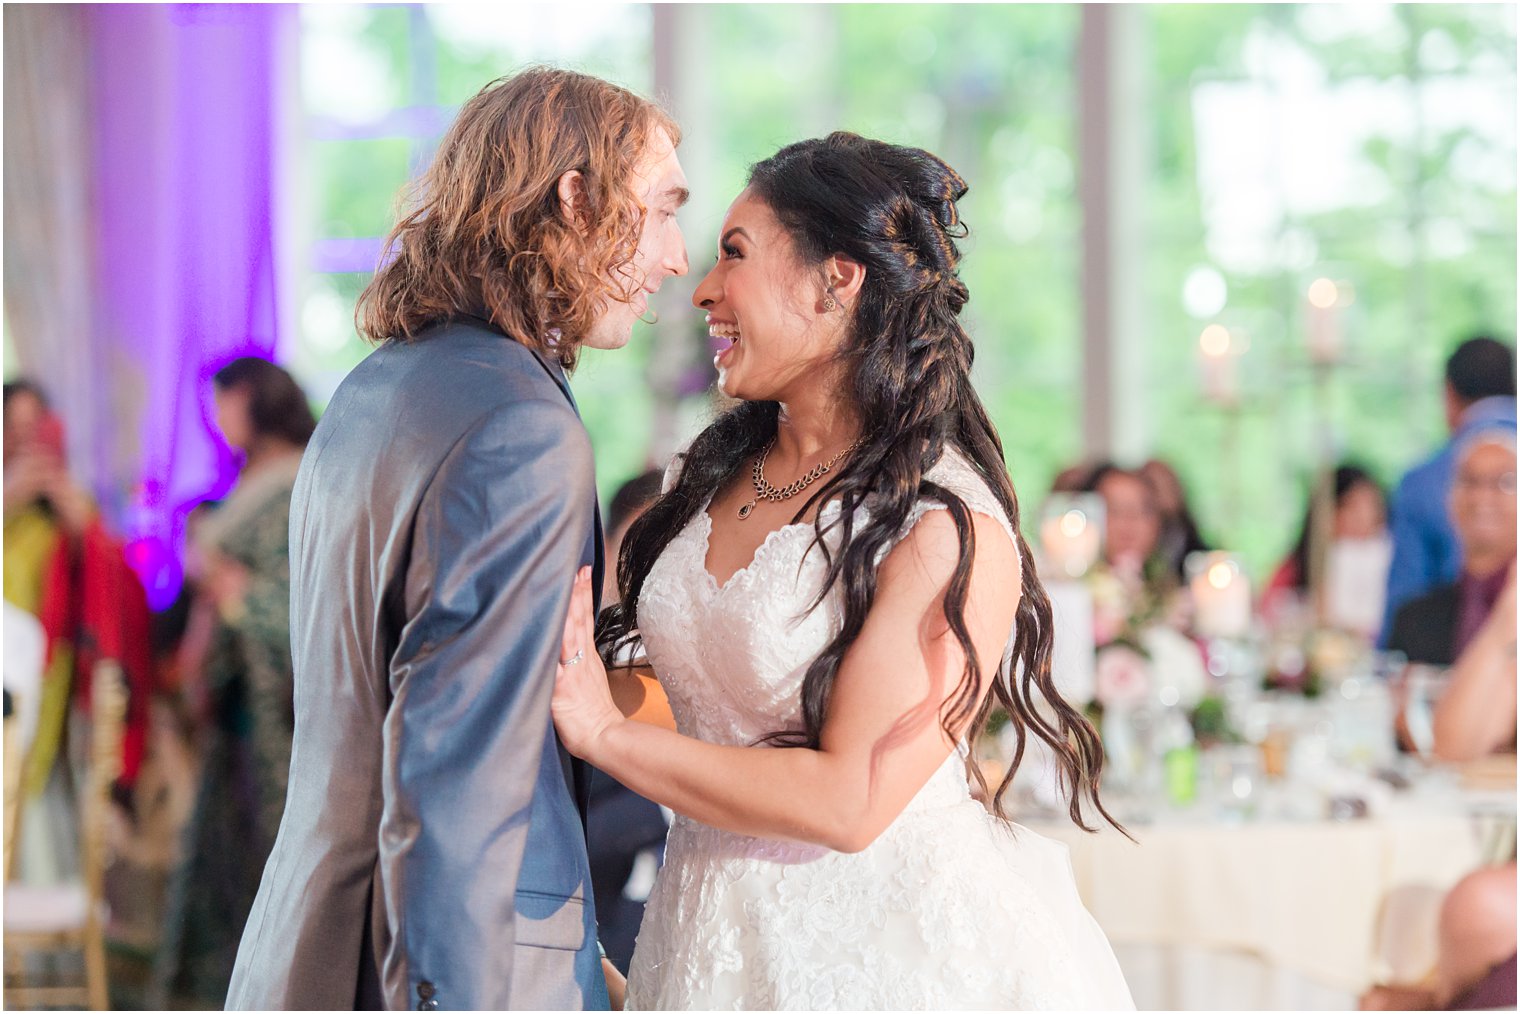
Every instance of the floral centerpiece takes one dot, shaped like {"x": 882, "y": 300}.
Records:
{"x": 1305, "y": 657}
{"x": 1149, "y": 674}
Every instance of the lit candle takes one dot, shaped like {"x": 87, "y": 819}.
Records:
{"x": 1323, "y": 322}
{"x": 1221, "y": 595}
{"x": 1071, "y": 534}
{"x": 1221, "y": 379}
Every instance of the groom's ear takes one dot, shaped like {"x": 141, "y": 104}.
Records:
{"x": 571, "y": 190}
{"x": 845, "y": 277}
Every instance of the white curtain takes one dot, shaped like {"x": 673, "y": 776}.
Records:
{"x": 48, "y": 251}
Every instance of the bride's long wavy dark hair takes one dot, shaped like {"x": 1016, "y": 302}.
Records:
{"x": 908, "y": 360}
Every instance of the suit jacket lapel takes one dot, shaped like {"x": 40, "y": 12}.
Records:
{"x": 557, "y": 371}
{"x": 599, "y": 551}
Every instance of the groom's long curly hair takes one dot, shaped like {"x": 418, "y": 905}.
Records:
{"x": 908, "y": 361}
{"x": 485, "y": 233}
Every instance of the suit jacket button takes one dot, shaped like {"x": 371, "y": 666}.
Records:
{"x": 426, "y": 990}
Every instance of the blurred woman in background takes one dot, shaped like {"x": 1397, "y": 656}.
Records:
{"x": 67, "y": 569}
{"x": 1133, "y": 522}
{"x": 1356, "y": 563}
{"x": 247, "y": 686}
{"x": 1179, "y": 530}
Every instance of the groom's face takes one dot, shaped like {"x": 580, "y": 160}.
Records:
{"x": 660, "y": 186}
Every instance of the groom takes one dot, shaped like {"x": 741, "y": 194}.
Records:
{"x": 431, "y": 855}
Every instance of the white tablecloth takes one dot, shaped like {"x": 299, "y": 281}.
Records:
{"x": 1300, "y": 898}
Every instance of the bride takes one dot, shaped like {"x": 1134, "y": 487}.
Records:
{"x": 833, "y": 593}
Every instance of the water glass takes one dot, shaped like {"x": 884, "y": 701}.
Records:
{"x": 1238, "y": 780}
{"x": 1423, "y": 687}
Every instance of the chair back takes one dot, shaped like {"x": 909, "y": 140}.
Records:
{"x": 108, "y": 713}
{"x": 12, "y": 761}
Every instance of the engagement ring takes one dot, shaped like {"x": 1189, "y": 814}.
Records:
{"x": 573, "y": 659}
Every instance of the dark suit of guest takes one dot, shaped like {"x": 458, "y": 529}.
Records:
{"x": 1425, "y": 628}
{"x": 431, "y": 854}
{"x": 1435, "y": 628}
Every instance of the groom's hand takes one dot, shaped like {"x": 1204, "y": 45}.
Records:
{"x": 582, "y": 705}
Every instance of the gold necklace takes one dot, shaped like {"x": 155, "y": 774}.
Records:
{"x": 765, "y": 491}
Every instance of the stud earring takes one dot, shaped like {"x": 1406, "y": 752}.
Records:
{"x": 830, "y": 304}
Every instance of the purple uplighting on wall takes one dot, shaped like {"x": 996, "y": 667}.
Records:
{"x": 184, "y": 149}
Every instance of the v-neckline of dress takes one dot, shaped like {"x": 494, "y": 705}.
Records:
{"x": 719, "y": 587}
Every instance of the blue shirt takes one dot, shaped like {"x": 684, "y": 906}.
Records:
{"x": 1425, "y": 549}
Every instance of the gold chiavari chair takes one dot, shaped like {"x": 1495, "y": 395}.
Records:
{"x": 71, "y": 917}
{"x": 12, "y": 762}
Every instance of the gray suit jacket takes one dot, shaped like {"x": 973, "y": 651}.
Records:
{"x": 431, "y": 854}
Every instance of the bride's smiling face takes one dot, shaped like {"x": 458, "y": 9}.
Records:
{"x": 765, "y": 309}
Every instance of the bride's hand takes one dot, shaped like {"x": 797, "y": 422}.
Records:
{"x": 582, "y": 706}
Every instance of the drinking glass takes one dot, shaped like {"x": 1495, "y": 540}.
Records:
{"x": 1423, "y": 687}
{"x": 1237, "y": 780}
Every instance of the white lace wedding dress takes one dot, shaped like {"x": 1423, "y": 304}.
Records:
{"x": 948, "y": 909}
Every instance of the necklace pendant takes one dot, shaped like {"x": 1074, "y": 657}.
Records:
{"x": 746, "y": 510}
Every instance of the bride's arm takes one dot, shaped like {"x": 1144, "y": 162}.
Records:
{"x": 881, "y": 739}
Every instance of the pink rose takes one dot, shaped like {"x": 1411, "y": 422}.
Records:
{"x": 1122, "y": 677}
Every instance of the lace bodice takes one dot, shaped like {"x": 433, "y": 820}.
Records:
{"x": 745, "y": 684}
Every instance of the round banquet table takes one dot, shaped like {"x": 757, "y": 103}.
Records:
{"x": 1262, "y": 914}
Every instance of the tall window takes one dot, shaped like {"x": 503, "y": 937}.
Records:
{"x": 1371, "y": 146}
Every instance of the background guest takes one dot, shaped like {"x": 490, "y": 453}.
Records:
{"x": 1476, "y": 967}
{"x": 622, "y": 826}
{"x": 185, "y": 631}
{"x": 1436, "y": 627}
{"x": 62, "y": 566}
{"x": 1476, "y": 716}
{"x": 37, "y": 480}
{"x": 43, "y": 504}
{"x": 1073, "y": 478}
{"x": 246, "y": 684}
{"x": 1475, "y": 950}
{"x": 1479, "y": 394}
{"x": 1356, "y": 561}
{"x": 1133, "y": 524}
{"x": 1179, "y": 530}
{"x": 1133, "y": 585}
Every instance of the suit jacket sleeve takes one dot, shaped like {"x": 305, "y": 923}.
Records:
{"x": 499, "y": 534}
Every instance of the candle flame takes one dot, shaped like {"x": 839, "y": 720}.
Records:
{"x": 1221, "y": 574}
{"x": 1215, "y": 340}
{"x": 1073, "y": 523}
{"x": 1323, "y": 293}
